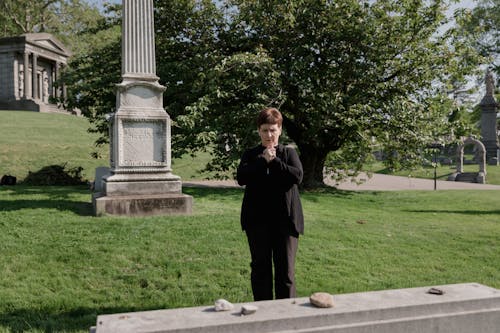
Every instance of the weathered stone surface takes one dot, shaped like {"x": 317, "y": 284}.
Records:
{"x": 100, "y": 172}
{"x": 137, "y": 187}
{"x": 248, "y": 309}
{"x": 321, "y": 300}
{"x": 144, "y": 205}
{"x": 463, "y": 308}
{"x": 223, "y": 305}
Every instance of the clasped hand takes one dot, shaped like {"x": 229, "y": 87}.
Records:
{"x": 269, "y": 154}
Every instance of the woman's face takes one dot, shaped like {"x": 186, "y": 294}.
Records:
{"x": 269, "y": 134}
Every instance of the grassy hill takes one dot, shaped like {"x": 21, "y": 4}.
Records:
{"x": 31, "y": 140}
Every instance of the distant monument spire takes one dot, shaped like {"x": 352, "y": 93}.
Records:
{"x": 489, "y": 131}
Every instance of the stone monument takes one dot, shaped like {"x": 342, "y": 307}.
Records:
{"x": 140, "y": 181}
{"x": 489, "y": 109}
{"x": 480, "y": 157}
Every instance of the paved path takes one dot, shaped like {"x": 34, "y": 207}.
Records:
{"x": 378, "y": 182}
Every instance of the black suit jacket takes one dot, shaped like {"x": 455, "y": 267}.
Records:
{"x": 271, "y": 192}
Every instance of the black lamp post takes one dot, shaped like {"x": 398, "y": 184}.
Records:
{"x": 436, "y": 147}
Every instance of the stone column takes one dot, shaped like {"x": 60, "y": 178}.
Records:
{"x": 64, "y": 89}
{"x": 138, "y": 50}
{"x": 34, "y": 84}
{"x": 140, "y": 181}
{"x": 26, "y": 74}
{"x": 55, "y": 76}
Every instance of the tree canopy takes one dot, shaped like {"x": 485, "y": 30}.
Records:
{"x": 346, "y": 75}
{"x": 485, "y": 22}
{"x": 66, "y": 19}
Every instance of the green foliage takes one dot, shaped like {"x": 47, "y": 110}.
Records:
{"x": 91, "y": 83}
{"x": 484, "y": 22}
{"x": 62, "y": 267}
{"x": 66, "y": 19}
{"x": 25, "y": 16}
{"x": 94, "y": 71}
{"x": 345, "y": 74}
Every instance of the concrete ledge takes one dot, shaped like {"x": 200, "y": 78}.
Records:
{"x": 142, "y": 205}
{"x": 464, "y": 308}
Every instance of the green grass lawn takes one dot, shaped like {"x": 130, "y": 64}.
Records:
{"x": 32, "y": 140}
{"x": 61, "y": 267}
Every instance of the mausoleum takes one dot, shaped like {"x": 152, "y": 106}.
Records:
{"x": 30, "y": 64}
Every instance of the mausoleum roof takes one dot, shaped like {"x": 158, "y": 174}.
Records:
{"x": 48, "y": 41}
{"x": 43, "y": 41}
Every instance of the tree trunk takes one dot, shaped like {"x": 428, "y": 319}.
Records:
{"x": 313, "y": 162}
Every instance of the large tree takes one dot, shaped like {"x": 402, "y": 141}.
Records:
{"x": 346, "y": 74}
{"x": 65, "y": 19}
{"x": 485, "y": 22}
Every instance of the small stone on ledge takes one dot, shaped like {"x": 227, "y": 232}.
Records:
{"x": 223, "y": 305}
{"x": 248, "y": 309}
{"x": 321, "y": 300}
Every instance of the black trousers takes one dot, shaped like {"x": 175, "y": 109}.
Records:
{"x": 268, "y": 245}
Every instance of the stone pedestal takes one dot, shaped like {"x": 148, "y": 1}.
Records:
{"x": 140, "y": 181}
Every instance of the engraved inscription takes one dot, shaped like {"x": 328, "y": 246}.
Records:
{"x": 143, "y": 144}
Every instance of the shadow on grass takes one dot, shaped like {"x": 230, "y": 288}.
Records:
{"x": 68, "y": 198}
{"x": 43, "y": 320}
{"x": 46, "y": 197}
{"x": 465, "y": 212}
{"x": 237, "y": 193}
{"x": 205, "y": 191}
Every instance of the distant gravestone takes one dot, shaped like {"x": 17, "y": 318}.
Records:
{"x": 480, "y": 158}
{"x": 140, "y": 180}
{"x": 100, "y": 172}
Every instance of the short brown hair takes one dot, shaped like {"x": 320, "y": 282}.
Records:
{"x": 269, "y": 116}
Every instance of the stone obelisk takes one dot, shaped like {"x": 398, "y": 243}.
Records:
{"x": 489, "y": 109}
{"x": 140, "y": 181}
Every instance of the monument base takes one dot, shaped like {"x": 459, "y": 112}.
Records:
{"x": 142, "y": 205}
{"x": 142, "y": 187}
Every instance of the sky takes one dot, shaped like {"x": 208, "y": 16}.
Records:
{"x": 460, "y": 4}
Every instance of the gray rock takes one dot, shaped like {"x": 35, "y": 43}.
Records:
{"x": 223, "y": 305}
{"x": 248, "y": 309}
{"x": 321, "y": 300}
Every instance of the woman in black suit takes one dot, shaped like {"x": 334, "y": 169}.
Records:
{"x": 271, "y": 213}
